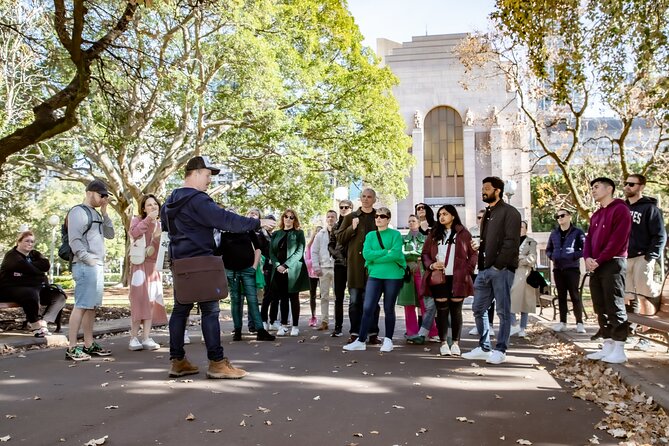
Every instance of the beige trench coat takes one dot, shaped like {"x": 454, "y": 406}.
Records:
{"x": 523, "y": 296}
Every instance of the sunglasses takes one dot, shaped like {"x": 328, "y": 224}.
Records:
{"x": 292, "y": 217}
{"x": 384, "y": 216}
{"x": 559, "y": 216}
{"x": 627, "y": 183}
{"x": 344, "y": 207}
{"x": 420, "y": 208}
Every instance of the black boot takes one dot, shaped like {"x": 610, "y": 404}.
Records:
{"x": 263, "y": 335}
{"x": 237, "y": 336}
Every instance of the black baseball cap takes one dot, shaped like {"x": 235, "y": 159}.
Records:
{"x": 98, "y": 186}
{"x": 604, "y": 180}
{"x": 202, "y": 162}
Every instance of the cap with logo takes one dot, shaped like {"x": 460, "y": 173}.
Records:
{"x": 97, "y": 186}
{"x": 202, "y": 162}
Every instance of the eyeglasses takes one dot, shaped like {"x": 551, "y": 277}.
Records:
{"x": 420, "y": 208}
{"x": 630, "y": 184}
{"x": 292, "y": 217}
{"x": 384, "y": 216}
{"x": 344, "y": 207}
{"x": 559, "y": 216}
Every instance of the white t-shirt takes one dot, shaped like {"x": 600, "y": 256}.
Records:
{"x": 442, "y": 249}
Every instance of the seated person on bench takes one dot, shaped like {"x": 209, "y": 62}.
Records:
{"x": 22, "y": 276}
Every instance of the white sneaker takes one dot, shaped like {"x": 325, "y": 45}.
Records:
{"x": 355, "y": 346}
{"x": 607, "y": 347}
{"x": 444, "y": 350}
{"x": 282, "y": 331}
{"x": 496, "y": 357}
{"x": 477, "y": 353}
{"x": 294, "y": 331}
{"x": 135, "y": 345}
{"x": 150, "y": 344}
{"x": 515, "y": 329}
{"x": 561, "y": 326}
{"x": 521, "y": 333}
{"x": 580, "y": 328}
{"x": 275, "y": 326}
{"x": 474, "y": 331}
{"x": 186, "y": 337}
{"x": 434, "y": 339}
{"x": 617, "y": 355}
{"x": 455, "y": 350}
{"x": 387, "y": 345}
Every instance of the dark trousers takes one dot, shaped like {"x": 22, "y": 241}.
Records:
{"x": 27, "y": 297}
{"x": 270, "y": 305}
{"x": 339, "y": 292}
{"x": 567, "y": 281}
{"x": 313, "y": 286}
{"x": 607, "y": 288}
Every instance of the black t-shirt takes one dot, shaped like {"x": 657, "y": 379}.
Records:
{"x": 238, "y": 250}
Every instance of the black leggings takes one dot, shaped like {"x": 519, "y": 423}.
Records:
{"x": 313, "y": 285}
{"x": 27, "y": 297}
{"x": 294, "y": 299}
{"x": 444, "y": 309}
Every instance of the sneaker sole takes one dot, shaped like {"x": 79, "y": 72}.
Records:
{"x": 77, "y": 359}
{"x": 216, "y": 376}
{"x": 177, "y": 375}
{"x": 135, "y": 349}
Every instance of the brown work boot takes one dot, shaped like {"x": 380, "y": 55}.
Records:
{"x": 181, "y": 367}
{"x": 323, "y": 326}
{"x": 224, "y": 370}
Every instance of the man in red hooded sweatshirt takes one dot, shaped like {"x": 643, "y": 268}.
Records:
{"x": 605, "y": 254}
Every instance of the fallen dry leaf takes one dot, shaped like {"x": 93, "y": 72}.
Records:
{"x": 263, "y": 409}
{"x": 243, "y": 423}
{"x": 104, "y": 384}
{"x": 358, "y": 434}
{"x": 497, "y": 397}
{"x": 503, "y": 437}
{"x": 5, "y": 438}
{"x": 550, "y": 398}
{"x": 10, "y": 417}
{"x": 289, "y": 419}
{"x": 374, "y": 432}
{"x": 111, "y": 407}
{"x": 317, "y": 397}
{"x": 594, "y": 440}
{"x": 395, "y": 406}
{"x": 617, "y": 433}
{"x": 190, "y": 417}
{"x": 521, "y": 441}
{"x": 96, "y": 442}
{"x": 214, "y": 431}
{"x": 268, "y": 422}
{"x": 428, "y": 397}
{"x": 422, "y": 430}
{"x": 36, "y": 397}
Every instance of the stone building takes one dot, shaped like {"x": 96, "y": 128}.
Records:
{"x": 460, "y": 135}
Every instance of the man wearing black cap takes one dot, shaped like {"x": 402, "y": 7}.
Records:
{"x": 192, "y": 216}
{"x": 605, "y": 254}
{"x": 86, "y": 230}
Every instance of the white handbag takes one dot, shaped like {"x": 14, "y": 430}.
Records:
{"x": 137, "y": 252}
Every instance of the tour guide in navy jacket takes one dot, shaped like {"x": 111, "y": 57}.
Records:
{"x": 192, "y": 216}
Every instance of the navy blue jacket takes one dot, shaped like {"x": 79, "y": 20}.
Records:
{"x": 192, "y": 216}
{"x": 566, "y": 255}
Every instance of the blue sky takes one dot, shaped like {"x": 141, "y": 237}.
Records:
{"x": 399, "y": 20}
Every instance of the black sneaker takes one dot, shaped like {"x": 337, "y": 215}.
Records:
{"x": 96, "y": 349}
{"x": 597, "y": 335}
{"x": 76, "y": 354}
{"x": 336, "y": 333}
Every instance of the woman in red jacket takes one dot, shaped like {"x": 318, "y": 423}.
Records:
{"x": 449, "y": 261}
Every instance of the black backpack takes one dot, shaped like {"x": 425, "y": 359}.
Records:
{"x": 65, "y": 252}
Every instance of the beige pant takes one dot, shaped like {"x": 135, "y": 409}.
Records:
{"x": 639, "y": 281}
{"x": 325, "y": 284}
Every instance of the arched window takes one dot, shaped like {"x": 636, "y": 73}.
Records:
{"x": 443, "y": 153}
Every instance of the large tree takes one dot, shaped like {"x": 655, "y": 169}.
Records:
{"x": 573, "y": 59}
{"x": 84, "y": 29}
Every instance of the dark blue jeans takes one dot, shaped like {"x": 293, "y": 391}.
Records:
{"x": 492, "y": 283}
{"x": 243, "y": 283}
{"x": 355, "y": 311}
{"x": 211, "y": 329}
{"x": 390, "y": 288}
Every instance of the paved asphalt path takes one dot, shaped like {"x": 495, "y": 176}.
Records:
{"x": 300, "y": 391}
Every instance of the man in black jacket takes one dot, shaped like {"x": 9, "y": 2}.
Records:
{"x": 338, "y": 253}
{"x": 498, "y": 260}
{"x": 647, "y": 240}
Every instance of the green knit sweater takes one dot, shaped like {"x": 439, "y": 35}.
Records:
{"x": 385, "y": 263}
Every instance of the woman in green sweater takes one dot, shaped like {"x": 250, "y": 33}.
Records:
{"x": 385, "y": 264}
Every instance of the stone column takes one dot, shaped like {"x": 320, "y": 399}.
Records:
{"x": 472, "y": 186}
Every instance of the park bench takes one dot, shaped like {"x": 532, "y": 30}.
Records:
{"x": 658, "y": 322}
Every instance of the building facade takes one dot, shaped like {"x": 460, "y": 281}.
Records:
{"x": 461, "y": 134}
